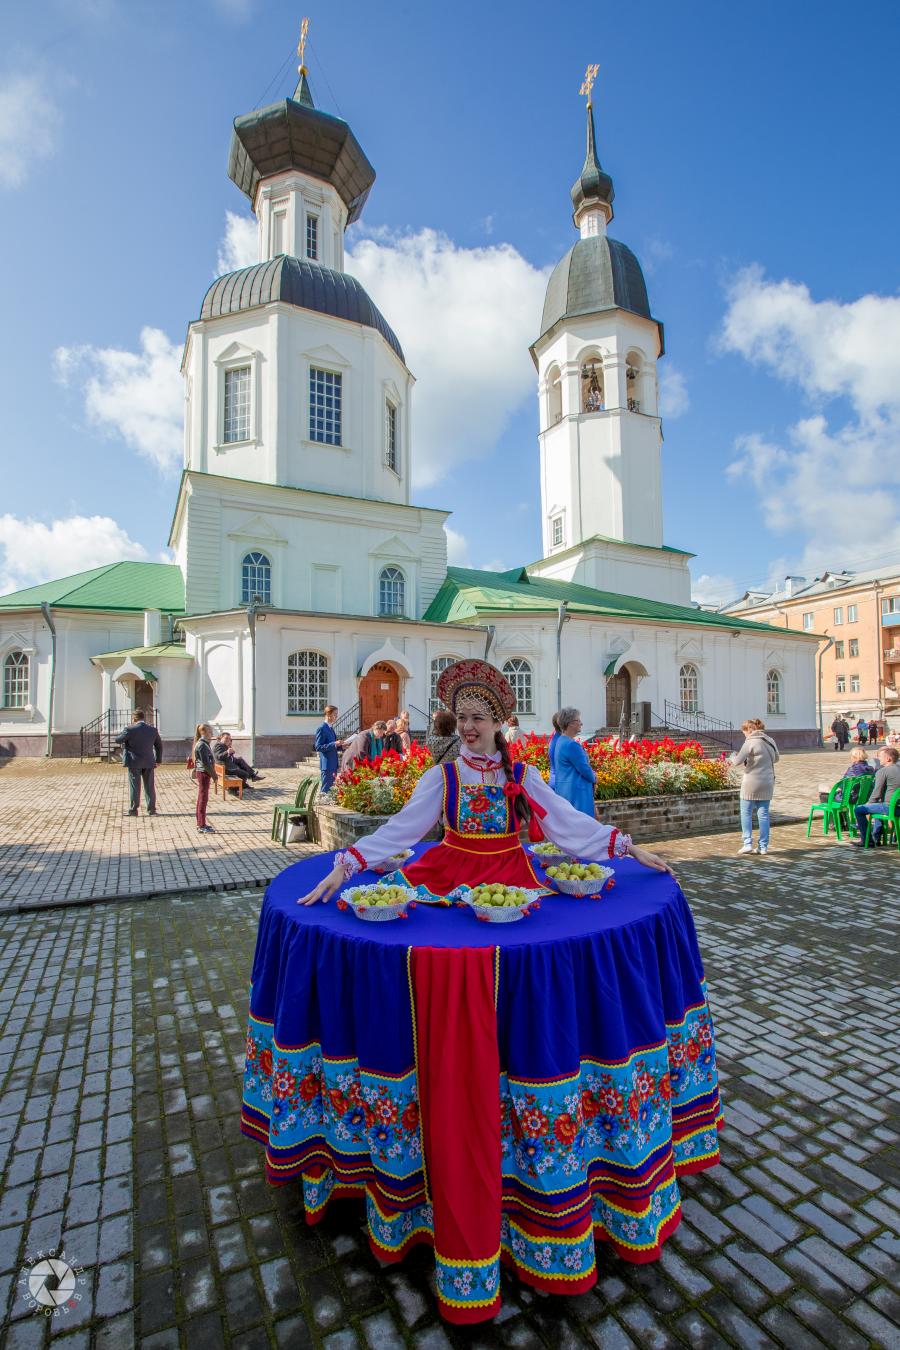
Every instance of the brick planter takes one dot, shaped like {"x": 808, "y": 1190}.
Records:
{"x": 673, "y": 814}
{"x": 644, "y": 817}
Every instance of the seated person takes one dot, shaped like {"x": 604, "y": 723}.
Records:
{"x": 887, "y": 780}
{"x": 234, "y": 765}
{"x": 859, "y": 767}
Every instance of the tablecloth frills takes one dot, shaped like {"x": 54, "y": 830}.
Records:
{"x": 599, "y": 1114}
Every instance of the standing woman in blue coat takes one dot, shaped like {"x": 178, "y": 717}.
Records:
{"x": 575, "y": 778}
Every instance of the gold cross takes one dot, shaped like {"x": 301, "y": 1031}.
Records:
{"x": 301, "y": 47}
{"x": 587, "y": 83}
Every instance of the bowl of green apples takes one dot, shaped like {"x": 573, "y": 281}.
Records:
{"x": 575, "y": 878}
{"x": 546, "y": 852}
{"x": 494, "y": 902}
{"x": 378, "y": 903}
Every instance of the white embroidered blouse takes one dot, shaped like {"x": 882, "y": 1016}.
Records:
{"x": 573, "y": 830}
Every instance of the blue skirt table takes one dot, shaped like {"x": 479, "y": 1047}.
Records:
{"x": 503, "y": 1092}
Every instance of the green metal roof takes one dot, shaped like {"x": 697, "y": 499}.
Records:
{"x": 134, "y": 586}
{"x": 469, "y": 595}
{"x": 139, "y": 654}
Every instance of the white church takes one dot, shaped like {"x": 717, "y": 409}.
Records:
{"x": 303, "y": 574}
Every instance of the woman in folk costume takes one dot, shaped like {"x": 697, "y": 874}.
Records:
{"x": 484, "y": 799}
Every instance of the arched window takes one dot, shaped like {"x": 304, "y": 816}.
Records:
{"x": 554, "y": 396}
{"x": 592, "y": 392}
{"x": 307, "y": 690}
{"x": 518, "y": 672}
{"x": 256, "y": 579}
{"x": 438, "y": 665}
{"x": 633, "y": 371}
{"x": 689, "y": 682}
{"x": 15, "y": 680}
{"x": 774, "y": 692}
{"x": 391, "y": 591}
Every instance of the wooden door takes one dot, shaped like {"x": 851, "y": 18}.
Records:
{"x": 618, "y": 698}
{"x": 379, "y": 694}
{"x": 143, "y": 697}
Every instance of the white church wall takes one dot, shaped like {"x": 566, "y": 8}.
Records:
{"x": 653, "y": 574}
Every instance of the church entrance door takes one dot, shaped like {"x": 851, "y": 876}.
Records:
{"x": 379, "y": 694}
{"x": 618, "y": 697}
{"x": 143, "y": 697}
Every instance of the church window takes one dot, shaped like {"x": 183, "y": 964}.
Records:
{"x": 592, "y": 396}
{"x": 325, "y": 406}
{"x": 307, "y": 683}
{"x": 256, "y": 579}
{"x": 556, "y": 531}
{"x": 312, "y": 237}
{"x": 391, "y": 591}
{"x": 554, "y": 396}
{"x": 633, "y": 382}
{"x": 518, "y": 672}
{"x": 15, "y": 680}
{"x": 438, "y": 666}
{"x": 390, "y": 435}
{"x": 689, "y": 684}
{"x": 774, "y": 703}
{"x": 237, "y": 405}
{"x": 279, "y": 228}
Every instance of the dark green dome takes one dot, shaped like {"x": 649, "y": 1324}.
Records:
{"x": 597, "y": 273}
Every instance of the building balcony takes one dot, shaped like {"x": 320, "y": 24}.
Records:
{"x": 892, "y": 654}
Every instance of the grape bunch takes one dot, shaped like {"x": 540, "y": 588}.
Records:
{"x": 499, "y": 896}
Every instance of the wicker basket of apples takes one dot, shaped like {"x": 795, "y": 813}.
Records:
{"x": 378, "y": 903}
{"x": 579, "y": 878}
{"x": 547, "y": 852}
{"x": 391, "y": 864}
{"x": 495, "y": 903}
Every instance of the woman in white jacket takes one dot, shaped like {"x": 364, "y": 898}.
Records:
{"x": 758, "y": 757}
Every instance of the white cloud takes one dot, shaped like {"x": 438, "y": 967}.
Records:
{"x": 655, "y": 252}
{"x": 136, "y": 395}
{"x": 464, "y": 317}
{"x": 674, "y": 399}
{"x": 29, "y": 125}
{"x": 34, "y": 552}
{"x": 457, "y": 548}
{"x": 713, "y": 588}
{"x": 240, "y": 246}
{"x": 833, "y": 479}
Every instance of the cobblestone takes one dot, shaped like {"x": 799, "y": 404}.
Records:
{"x": 122, "y": 1036}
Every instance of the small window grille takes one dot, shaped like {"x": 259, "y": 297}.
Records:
{"x": 307, "y": 682}
{"x": 325, "y": 406}
{"x": 312, "y": 237}
{"x": 390, "y": 435}
{"x": 15, "y": 680}
{"x": 237, "y": 405}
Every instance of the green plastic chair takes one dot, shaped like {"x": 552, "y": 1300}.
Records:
{"x": 299, "y": 808}
{"x": 830, "y": 811}
{"x": 858, "y": 795}
{"x": 890, "y": 818}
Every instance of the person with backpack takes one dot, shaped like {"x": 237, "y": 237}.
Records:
{"x": 203, "y": 772}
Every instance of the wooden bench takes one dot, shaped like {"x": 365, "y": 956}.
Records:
{"x": 223, "y": 778}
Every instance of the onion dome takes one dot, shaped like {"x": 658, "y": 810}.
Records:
{"x": 593, "y": 186}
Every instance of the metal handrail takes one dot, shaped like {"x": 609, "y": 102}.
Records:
{"x": 348, "y": 724}
{"x": 700, "y": 723}
{"x": 419, "y": 712}
{"x": 97, "y": 736}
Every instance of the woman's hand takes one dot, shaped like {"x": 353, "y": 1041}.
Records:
{"x": 326, "y": 888}
{"x": 648, "y": 859}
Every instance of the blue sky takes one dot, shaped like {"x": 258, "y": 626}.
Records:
{"x": 737, "y": 137}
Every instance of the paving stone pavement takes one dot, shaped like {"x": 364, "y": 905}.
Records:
{"x": 121, "y": 1049}
{"x": 64, "y": 834}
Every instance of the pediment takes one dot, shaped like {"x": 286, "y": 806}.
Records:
{"x": 690, "y": 650}
{"x": 774, "y": 656}
{"x": 234, "y": 351}
{"x": 16, "y": 642}
{"x": 391, "y": 391}
{"x": 256, "y": 529}
{"x": 328, "y": 355}
{"x": 515, "y": 640}
{"x": 394, "y": 547}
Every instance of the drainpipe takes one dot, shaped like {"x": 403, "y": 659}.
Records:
{"x": 561, "y": 618}
{"x": 252, "y": 610}
{"x": 821, "y": 653}
{"x": 489, "y": 639}
{"x": 45, "y": 610}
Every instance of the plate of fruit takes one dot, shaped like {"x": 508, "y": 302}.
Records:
{"x": 379, "y": 902}
{"x": 547, "y": 852}
{"x": 496, "y": 903}
{"x": 577, "y": 878}
{"x": 391, "y": 864}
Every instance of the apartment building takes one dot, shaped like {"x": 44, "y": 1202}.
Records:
{"x": 860, "y": 613}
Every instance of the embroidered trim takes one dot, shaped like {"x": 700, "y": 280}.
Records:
{"x": 619, "y": 843}
{"x": 352, "y": 862}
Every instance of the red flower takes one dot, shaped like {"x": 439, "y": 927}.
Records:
{"x": 309, "y": 1087}
{"x": 634, "y": 1105}
{"x": 645, "y": 1085}
{"x": 480, "y": 804}
{"x": 265, "y": 1062}
{"x": 251, "y": 1048}
{"x": 339, "y": 1103}
{"x": 533, "y": 1121}
{"x": 665, "y": 1087}
{"x": 565, "y": 1129}
{"x": 693, "y": 1050}
{"x": 611, "y": 1100}
{"x": 589, "y": 1105}
{"x": 410, "y": 1117}
{"x": 284, "y": 1083}
{"x": 385, "y": 1111}
{"x": 704, "y": 1034}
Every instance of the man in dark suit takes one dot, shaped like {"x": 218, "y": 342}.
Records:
{"x": 327, "y": 744}
{"x": 141, "y": 752}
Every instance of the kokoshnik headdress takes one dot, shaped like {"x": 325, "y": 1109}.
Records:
{"x": 478, "y": 683}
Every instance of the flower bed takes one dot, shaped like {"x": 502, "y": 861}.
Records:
{"x": 638, "y": 768}
{"x": 379, "y": 787}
